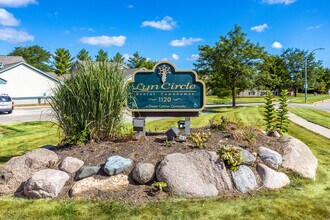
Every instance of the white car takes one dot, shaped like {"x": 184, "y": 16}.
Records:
{"x": 6, "y": 103}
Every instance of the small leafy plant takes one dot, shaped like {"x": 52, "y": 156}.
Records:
{"x": 216, "y": 126}
{"x": 199, "y": 138}
{"x": 250, "y": 135}
{"x": 231, "y": 156}
{"x": 160, "y": 186}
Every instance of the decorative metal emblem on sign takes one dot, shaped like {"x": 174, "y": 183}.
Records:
{"x": 163, "y": 71}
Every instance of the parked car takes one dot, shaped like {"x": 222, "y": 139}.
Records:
{"x": 6, "y": 103}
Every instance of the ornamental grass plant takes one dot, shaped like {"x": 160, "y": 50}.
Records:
{"x": 89, "y": 105}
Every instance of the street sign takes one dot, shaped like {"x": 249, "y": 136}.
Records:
{"x": 165, "y": 89}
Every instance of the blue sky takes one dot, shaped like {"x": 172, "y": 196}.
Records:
{"x": 159, "y": 30}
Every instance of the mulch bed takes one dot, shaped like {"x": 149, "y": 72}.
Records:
{"x": 152, "y": 149}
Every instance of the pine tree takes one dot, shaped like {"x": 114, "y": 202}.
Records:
{"x": 62, "y": 61}
{"x": 269, "y": 112}
{"x": 117, "y": 58}
{"x": 102, "y": 56}
{"x": 282, "y": 113}
{"x": 84, "y": 55}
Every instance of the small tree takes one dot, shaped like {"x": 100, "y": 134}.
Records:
{"x": 62, "y": 61}
{"x": 269, "y": 112}
{"x": 282, "y": 113}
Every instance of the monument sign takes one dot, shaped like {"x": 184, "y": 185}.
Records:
{"x": 165, "y": 91}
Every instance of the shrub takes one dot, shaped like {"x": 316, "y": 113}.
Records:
{"x": 89, "y": 105}
{"x": 232, "y": 157}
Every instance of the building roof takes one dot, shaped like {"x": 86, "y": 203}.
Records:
{"x": 60, "y": 78}
{"x": 2, "y": 81}
{"x": 8, "y": 61}
{"x": 129, "y": 72}
{"x": 13, "y": 65}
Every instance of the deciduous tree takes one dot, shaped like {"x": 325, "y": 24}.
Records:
{"x": 35, "y": 56}
{"x": 231, "y": 63}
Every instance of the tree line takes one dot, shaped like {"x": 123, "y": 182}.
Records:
{"x": 61, "y": 61}
{"x": 232, "y": 65}
{"x": 235, "y": 64}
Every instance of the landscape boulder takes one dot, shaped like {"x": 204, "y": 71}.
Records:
{"x": 17, "y": 170}
{"x": 244, "y": 179}
{"x": 143, "y": 173}
{"x": 299, "y": 158}
{"x": 71, "y": 164}
{"x": 248, "y": 158}
{"x": 195, "y": 174}
{"x": 270, "y": 157}
{"x": 273, "y": 134}
{"x": 45, "y": 183}
{"x": 91, "y": 185}
{"x": 116, "y": 164}
{"x": 272, "y": 179}
{"x": 86, "y": 171}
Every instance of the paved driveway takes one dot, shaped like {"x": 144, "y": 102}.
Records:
{"x": 323, "y": 105}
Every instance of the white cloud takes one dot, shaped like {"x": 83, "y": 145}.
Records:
{"x": 130, "y": 6}
{"x": 16, "y": 3}
{"x": 13, "y": 36}
{"x": 166, "y": 24}
{"x": 105, "y": 41}
{"x": 193, "y": 57}
{"x": 184, "y": 41}
{"x": 175, "y": 56}
{"x": 315, "y": 27}
{"x": 259, "y": 28}
{"x": 277, "y": 45}
{"x": 273, "y": 2}
{"x": 164, "y": 59}
{"x": 8, "y": 19}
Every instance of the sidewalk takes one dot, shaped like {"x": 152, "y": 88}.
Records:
{"x": 310, "y": 126}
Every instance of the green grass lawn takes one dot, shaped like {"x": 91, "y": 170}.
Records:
{"x": 316, "y": 116}
{"x": 17, "y": 139}
{"x": 217, "y": 100}
{"x": 300, "y": 98}
{"x": 303, "y": 199}
{"x": 251, "y": 115}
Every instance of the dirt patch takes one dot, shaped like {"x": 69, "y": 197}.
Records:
{"x": 152, "y": 149}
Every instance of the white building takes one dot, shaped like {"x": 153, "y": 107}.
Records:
{"x": 24, "y": 82}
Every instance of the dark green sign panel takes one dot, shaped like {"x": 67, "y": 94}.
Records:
{"x": 166, "y": 89}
